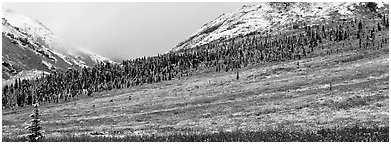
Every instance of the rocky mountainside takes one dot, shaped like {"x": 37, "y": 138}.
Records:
{"x": 268, "y": 17}
{"x": 30, "y": 48}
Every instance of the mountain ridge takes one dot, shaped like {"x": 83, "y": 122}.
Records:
{"x": 28, "y": 45}
{"x": 265, "y": 17}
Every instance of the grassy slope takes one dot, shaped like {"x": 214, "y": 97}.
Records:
{"x": 277, "y": 96}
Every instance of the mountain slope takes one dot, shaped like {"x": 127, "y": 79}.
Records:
{"x": 341, "y": 82}
{"x": 28, "y": 45}
{"x": 265, "y": 18}
{"x": 280, "y": 96}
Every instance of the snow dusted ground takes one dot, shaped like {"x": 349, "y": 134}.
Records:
{"x": 7, "y": 28}
{"x": 95, "y": 57}
{"x": 99, "y": 58}
{"x": 63, "y": 57}
{"x": 48, "y": 65}
{"x": 263, "y": 17}
{"x": 28, "y": 25}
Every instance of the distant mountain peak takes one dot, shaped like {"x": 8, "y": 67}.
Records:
{"x": 29, "y": 44}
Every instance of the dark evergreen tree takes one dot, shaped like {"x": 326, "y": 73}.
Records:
{"x": 35, "y": 126}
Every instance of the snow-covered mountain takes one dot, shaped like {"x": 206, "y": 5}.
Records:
{"x": 266, "y": 17}
{"x": 28, "y": 45}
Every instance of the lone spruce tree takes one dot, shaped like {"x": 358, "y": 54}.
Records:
{"x": 35, "y": 126}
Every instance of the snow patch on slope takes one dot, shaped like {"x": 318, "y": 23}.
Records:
{"x": 79, "y": 63}
{"x": 100, "y": 58}
{"x": 63, "y": 57}
{"x": 7, "y": 28}
{"x": 47, "y": 64}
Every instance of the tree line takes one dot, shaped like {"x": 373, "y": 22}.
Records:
{"x": 220, "y": 56}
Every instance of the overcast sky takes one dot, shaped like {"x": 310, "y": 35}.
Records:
{"x": 124, "y": 30}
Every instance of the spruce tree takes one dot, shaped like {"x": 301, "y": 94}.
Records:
{"x": 35, "y": 126}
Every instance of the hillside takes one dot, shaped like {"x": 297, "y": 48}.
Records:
{"x": 279, "y": 96}
{"x": 326, "y": 80}
{"x": 29, "y": 46}
{"x": 270, "y": 18}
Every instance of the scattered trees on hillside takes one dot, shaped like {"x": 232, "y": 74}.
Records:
{"x": 221, "y": 55}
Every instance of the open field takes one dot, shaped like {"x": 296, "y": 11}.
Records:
{"x": 268, "y": 97}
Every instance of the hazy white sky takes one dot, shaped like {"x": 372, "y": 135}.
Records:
{"x": 124, "y": 30}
